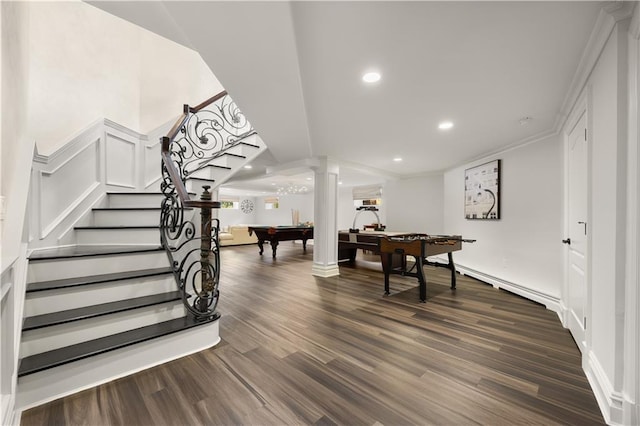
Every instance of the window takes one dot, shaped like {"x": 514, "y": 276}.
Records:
{"x": 227, "y": 202}
{"x": 271, "y": 203}
{"x": 367, "y": 195}
{"x": 372, "y": 202}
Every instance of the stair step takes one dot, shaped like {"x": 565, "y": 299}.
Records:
{"x": 134, "y": 199}
{"x": 74, "y": 252}
{"x": 62, "y": 317}
{"x": 146, "y": 216}
{"x": 43, "y": 361}
{"x": 68, "y": 262}
{"x": 95, "y": 279}
{"x": 114, "y": 235}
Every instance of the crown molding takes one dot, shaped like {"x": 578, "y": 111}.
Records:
{"x": 634, "y": 27}
{"x": 610, "y": 14}
{"x": 487, "y": 156}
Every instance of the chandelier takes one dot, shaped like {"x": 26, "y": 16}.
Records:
{"x": 291, "y": 189}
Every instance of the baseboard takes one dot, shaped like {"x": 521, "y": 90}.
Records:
{"x": 550, "y": 302}
{"x": 9, "y": 413}
{"x": 611, "y": 403}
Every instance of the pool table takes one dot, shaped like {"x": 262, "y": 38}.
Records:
{"x": 275, "y": 234}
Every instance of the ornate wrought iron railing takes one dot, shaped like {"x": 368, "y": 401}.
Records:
{"x": 200, "y": 135}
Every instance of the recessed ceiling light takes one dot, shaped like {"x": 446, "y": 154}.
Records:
{"x": 248, "y": 166}
{"x": 309, "y": 178}
{"x": 397, "y": 159}
{"x": 273, "y": 183}
{"x": 339, "y": 182}
{"x": 445, "y": 125}
{"x": 371, "y": 77}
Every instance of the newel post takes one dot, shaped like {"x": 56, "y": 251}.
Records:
{"x": 207, "y": 284}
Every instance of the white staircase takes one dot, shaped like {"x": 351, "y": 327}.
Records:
{"x": 104, "y": 308}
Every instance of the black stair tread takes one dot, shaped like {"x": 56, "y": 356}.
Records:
{"x": 62, "y": 317}
{"x": 126, "y": 208}
{"x": 248, "y": 144}
{"x": 199, "y": 178}
{"x": 134, "y": 193}
{"x": 119, "y": 227}
{"x": 231, "y": 154}
{"x": 95, "y": 279}
{"x": 39, "y": 362}
{"x": 137, "y": 193}
{"x": 215, "y": 166}
{"x": 86, "y": 251}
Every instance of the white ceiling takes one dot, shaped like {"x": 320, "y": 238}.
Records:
{"x": 295, "y": 69}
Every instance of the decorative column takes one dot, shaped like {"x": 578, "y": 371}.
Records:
{"x": 325, "y": 216}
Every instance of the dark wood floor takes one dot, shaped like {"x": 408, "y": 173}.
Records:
{"x": 298, "y": 349}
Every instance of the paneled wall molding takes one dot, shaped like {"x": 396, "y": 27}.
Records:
{"x": 68, "y": 182}
{"x": 13, "y": 282}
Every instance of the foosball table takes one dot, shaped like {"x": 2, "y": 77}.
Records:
{"x": 395, "y": 247}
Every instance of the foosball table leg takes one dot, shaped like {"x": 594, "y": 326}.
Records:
{"x": 387, "y": 271}
{"x": 452, "y": 267}
{"x": 421, "y": 278}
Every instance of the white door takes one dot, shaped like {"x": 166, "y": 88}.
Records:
{"x": 578, "y": 229}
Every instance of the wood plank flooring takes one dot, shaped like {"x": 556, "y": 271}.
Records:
{"x": 298, "y": 349}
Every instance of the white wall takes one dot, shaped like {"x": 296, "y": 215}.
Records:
{"x": 523, "y": 249}
{"x": 347, "y": 211}
{"x": 282, "y": 215}
{"x": 415, "y": 205}
{"x": 87, "y": 65}
{"x": 171, "y": 75}
{"x": 17, "y": 147}
{"x": 230, "y": 217}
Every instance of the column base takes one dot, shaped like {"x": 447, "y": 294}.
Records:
{"x": 325, "y": 271}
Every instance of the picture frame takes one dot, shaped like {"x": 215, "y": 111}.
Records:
{"x": 482, "y": 191}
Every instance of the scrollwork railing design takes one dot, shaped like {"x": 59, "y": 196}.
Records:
{"x": 191, "y": 242}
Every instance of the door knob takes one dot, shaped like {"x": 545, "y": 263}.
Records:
{"x": 567, "y": 241}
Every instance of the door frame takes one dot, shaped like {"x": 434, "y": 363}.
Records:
{"x": 582, "y": 106}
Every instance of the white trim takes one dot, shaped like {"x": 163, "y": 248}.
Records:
{"x": 51, "y": 160}
{"x": 551, "y": 302}
{"x": 492, "y": 154}
{"x": 136, "y": 162}
{"x": 120, "y": 128}
{"x": 325, "y": 271}
{"x": 609, "y": 401}
{"x": 66, "y": 212}
{"x": 598, "y": 39}
{"x": 631, "y": 363}
{"x": 62, "y": 152}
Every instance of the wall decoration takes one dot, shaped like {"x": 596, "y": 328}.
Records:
{"x": 482, "y": 191}
{"x": 246, "y": 206}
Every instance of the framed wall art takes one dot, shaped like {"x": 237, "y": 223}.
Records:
{"x": 482, "y": 191}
